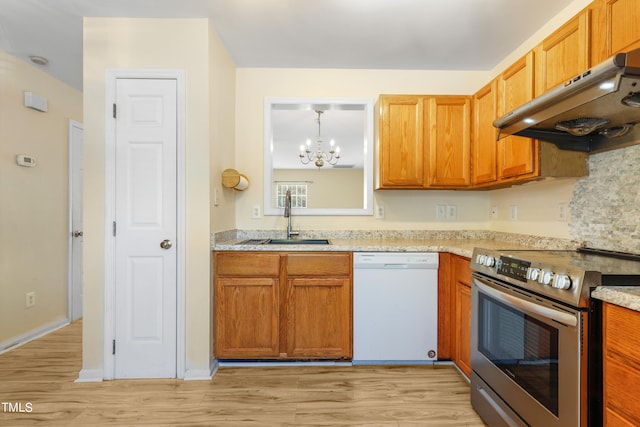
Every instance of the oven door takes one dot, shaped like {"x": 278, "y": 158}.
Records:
{"x": 526, "y": 358}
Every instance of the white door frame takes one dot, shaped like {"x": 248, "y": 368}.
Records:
{"x": 71, "y": 297}
{"x": 109, "y": 297}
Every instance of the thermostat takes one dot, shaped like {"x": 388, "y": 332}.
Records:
{"x": 27, "y": 161}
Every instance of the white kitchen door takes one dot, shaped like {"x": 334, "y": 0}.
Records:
{"x": 145, "y": 228}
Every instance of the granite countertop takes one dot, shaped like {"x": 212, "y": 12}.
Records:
{"x": 624, "y": 296}
{"x": 456, "y": 242}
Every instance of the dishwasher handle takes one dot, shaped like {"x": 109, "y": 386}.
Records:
{"x": 395, "y": 265}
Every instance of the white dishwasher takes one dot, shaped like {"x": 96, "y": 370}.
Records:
{"x": 395, "y": 307}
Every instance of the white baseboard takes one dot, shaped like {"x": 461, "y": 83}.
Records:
{"x": 202, "y": 374}
{"x": 90, "y": 376}
{"x": 32, "y": 335}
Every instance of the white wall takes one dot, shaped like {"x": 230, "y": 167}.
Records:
{"x": 186, "y": 44}
{"x": 34, "y": 201}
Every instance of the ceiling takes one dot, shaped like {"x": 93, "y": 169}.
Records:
{"x": 358, "y": 34}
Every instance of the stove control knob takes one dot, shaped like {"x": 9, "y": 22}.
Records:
{"x": 563, "y": 281}
{"x": 533, "y": 273}
{"x": 489, "y": 261}
{"x": 546, "y": 277}
{"x": 480, "y": 259}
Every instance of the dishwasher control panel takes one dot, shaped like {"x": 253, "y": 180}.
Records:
{"x": 395, "y": 260}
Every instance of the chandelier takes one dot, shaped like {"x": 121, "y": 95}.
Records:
{"x": 319, "y": 157}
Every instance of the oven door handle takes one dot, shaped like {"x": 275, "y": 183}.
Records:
{"x": 528, "y": 307}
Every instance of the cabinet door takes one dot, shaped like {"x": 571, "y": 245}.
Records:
{"x": 484, "y": 145}
{"x": 319, "y": 318}
{"x": 401, "y": 144}
{"x": 621, "y": 366}
{"x": 449, "y": 141}
{"x": 246, "y": 317}
{"x": 616, "y": 28}
{"x": 564, "y": 54}
{"x": 462, "y": 313}
{"x": 517, "y": 156}
{"x": 462, "y": 356}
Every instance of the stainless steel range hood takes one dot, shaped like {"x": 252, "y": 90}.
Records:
{"x": 596, "y": 110}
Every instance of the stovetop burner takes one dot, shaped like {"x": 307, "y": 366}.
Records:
{"x": 563, "y": 275}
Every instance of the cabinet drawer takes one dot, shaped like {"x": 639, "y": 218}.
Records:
{"x": 247, "y": 264}
{"x": 314, "y": 264}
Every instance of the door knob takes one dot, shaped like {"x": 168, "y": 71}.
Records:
{"x": 166, "y": 244}
{"x": 78, "y": 233}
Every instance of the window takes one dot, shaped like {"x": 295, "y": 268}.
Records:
{"x": 298, "y": 194}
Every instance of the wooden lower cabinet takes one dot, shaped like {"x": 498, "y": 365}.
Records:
{"x": 454, "y": 310}
{"x": 462, "y": 313}
{"x": 621, "y": 376}
{"x": 246, "y": 313}
{"x": 283, "y": 305}
{"x": 318, "y": 318}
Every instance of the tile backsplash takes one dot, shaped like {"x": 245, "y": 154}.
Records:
{"x": 605, "y": 207}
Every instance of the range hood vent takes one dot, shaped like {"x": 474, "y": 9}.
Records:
{"x": 595, "y": 111}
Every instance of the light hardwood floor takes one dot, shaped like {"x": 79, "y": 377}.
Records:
{"x": 42, "y": 372}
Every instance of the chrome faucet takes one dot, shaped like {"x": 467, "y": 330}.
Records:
{"x": 287, "y": 214}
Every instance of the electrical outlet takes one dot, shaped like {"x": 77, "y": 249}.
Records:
{"x": 30, "y": 299}
{"x": 513, "y": 212}
{"x": 563, "y": 212}
{"x": 494, "y": 212}
{"x": 452, "y": 212}
{"x": 379, "y": 212}
{"x": 255, "y": 212}
{"x": 216, "y": 197}
{"x": 441, "y": 212}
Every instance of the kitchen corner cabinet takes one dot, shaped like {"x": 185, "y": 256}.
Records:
{"x": 615, "y": 28}
{"x": 424, "y": 142}
{"x": 484, "y": 151}
{"x": 280, "y": 305}
{"x": 621, "y": 375}
{"x": 454, "y": 310}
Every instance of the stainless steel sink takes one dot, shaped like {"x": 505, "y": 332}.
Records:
{"x": 298, "y": 242}
{"x": 285, "y": 242}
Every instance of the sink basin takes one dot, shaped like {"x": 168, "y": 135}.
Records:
{"x": 285, "y": 242}
{"x": 298, "y": 242}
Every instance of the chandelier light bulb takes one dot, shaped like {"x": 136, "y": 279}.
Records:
{"x": 319, "y": 157}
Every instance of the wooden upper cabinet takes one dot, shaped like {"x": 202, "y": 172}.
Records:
{"x": 564, "y": 54}
{"x": 484, "y": 145}
{"x": 616, "y": 28}
{"x": 424, "y": 142}
{"x": 449, "y": 141}
{"x": 401, "y": 142}
{"x": 517, "y": 156}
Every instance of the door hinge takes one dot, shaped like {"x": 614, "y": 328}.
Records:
{"x": 114, "y": 229}
{"x": 113, "y": 348}
{"x": 114, "y": 111}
